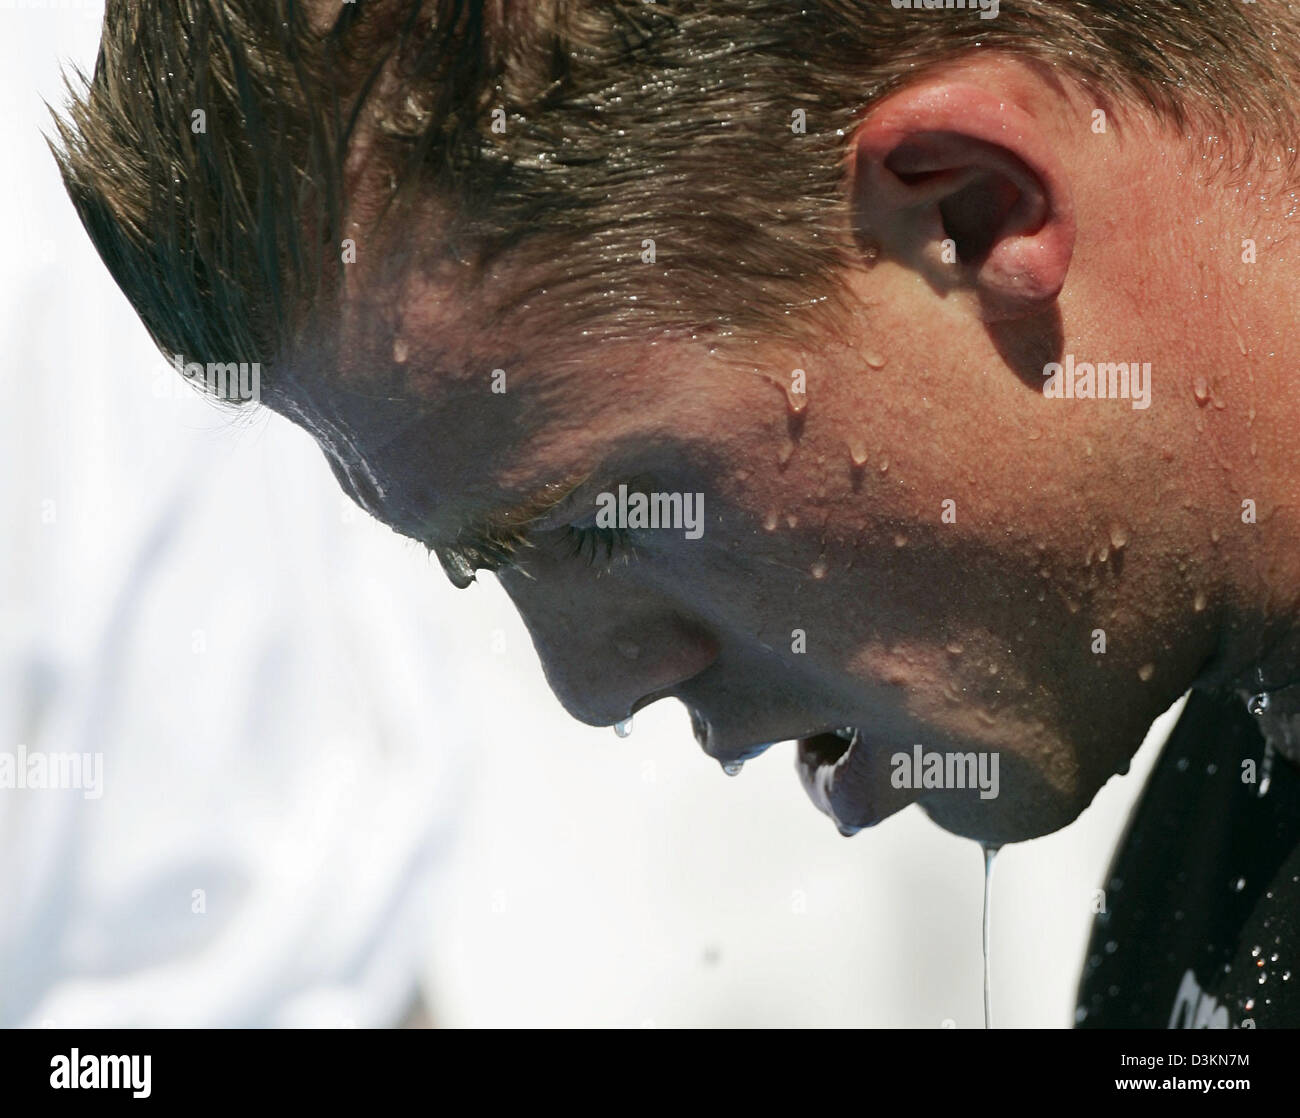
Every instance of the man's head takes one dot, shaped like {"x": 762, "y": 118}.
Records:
{"x": 929, "y": 344}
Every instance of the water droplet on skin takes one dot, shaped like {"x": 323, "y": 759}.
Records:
{"x": 884, "y": 465}
{"x": 1239, "y": 885}
{"x": 770, "y": 521}
{"x": 791, "y": 521}
{"x": 629, "y": 650}
{"x": 1201, "y": 390}
{"x": 401, "y": 351}
{"x": 1103, "y": 555}
{"x": 624, "y": 728}
{"x": 875, "y": 360}
{"x": 732, "y": 768}
{"x": 954, "y": 647}
{"x": 1118, "y": 537}
{"x": 1254, "y": 952}
{"x": 1145, "y": 672}
{"x": 785, "y": 453}
{"x": 741, "y": 475}
{"x": 900, "y": 540}
{"x": 1198, "y": 603}
{"x": 858, "y": 452}
{"x": 1214, "y": 535}
{"x": 818, "y": 569}
{"x": 797, "y": 402}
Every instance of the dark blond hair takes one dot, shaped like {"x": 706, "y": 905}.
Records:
{"x": 625, "y": 121}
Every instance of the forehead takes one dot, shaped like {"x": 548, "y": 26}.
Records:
{"x": 434, "y": 441}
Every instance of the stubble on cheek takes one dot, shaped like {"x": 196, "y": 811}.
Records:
{"x": 961, "y": 695}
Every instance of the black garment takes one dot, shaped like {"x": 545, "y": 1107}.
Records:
{"x": 1203, "y": 897}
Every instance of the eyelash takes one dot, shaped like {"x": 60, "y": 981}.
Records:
{"x": 598, "y": 547}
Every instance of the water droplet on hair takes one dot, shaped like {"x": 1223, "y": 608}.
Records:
{"x": 732, "y": 768}
{"x": 623, "y": 729}
{"x": 1146, "y": 672}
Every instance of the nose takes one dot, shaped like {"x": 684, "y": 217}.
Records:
{"x": 606, "y": 657}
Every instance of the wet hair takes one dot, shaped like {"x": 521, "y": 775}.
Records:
{"x": 643, "y": 158}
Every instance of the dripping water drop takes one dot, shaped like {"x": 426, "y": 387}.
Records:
{"x": 990, "y": 853}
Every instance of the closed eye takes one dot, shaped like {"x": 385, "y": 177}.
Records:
{"x": 598, "y": 547}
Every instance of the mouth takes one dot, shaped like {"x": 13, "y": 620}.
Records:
{"x": 841, "y": 773}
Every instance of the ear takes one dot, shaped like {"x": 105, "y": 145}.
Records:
{"x": 965, "y": 188}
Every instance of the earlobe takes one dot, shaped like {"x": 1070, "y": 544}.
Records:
{"x": 965, "y": 188}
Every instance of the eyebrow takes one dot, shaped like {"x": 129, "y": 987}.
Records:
{"x": 493, "y": 540}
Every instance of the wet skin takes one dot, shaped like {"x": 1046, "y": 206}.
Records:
{"x": 829, "y": 589}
